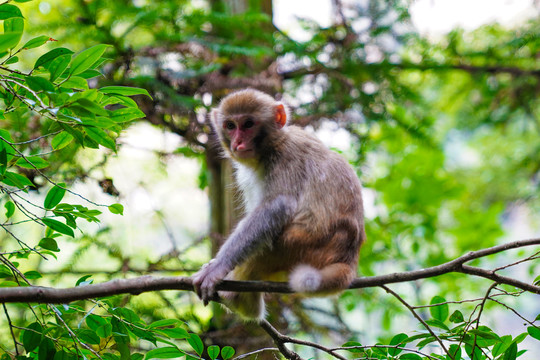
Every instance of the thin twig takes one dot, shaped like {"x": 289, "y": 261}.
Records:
{"x": 419, "y": 318}
{"x": 11, "y": 330}
{"x": 254, "y": 353}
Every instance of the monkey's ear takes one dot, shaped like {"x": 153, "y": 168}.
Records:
{"x": 214, "y": 118}
{"x": 281, "y": 115}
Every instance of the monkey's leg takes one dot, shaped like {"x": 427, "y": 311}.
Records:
{"x": 331, "y": 278}
{"x": 249, "y": 305}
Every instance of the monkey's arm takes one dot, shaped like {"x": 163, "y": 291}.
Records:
{"x": 257, "y": 230}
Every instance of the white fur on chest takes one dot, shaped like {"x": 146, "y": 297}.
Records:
{"x": 250, "y": 183}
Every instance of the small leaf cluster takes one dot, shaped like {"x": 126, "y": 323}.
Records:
{"x": 463, "y": 339}
{"x": 108, "y": 336}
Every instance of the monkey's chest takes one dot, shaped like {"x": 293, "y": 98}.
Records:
{"x": 250, "y": 183}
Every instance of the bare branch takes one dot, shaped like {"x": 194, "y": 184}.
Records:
{"x": 142, "y": 284}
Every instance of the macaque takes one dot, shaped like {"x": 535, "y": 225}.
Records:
{"x": 304, "y": 214}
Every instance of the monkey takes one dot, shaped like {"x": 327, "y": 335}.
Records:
{"x": 304, "y": 216}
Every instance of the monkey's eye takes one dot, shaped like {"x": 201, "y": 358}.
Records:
{"x": 229, "y": 125}
{"x": 249, "y": 123}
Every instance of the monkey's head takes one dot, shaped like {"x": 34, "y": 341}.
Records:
{"x": 245, "y": 121}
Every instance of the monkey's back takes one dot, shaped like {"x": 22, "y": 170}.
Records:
{"x": 329, "y": 218}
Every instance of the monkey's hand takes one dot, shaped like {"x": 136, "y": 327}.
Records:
{"x": 206, "y": 279}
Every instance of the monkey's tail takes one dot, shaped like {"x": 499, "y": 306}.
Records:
{"x": 334, "y": 277}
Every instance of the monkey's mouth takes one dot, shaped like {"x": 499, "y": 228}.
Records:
{"x": 244, "y": 153}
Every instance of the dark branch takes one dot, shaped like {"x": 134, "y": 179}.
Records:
{"x": 142, "y": 284}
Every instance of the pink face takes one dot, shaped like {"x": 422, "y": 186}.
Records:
{"x": 241, "y": 130}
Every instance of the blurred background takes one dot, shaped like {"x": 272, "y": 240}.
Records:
{"x": 434, "y": 103}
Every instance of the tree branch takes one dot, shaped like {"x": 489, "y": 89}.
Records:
{"x": 147, "y": 283}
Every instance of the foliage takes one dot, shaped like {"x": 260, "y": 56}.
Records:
{"x": 445, "y": 136}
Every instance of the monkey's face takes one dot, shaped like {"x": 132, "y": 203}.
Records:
{"x": 241, "y": 131}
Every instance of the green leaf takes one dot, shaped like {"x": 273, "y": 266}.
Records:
{"x": 61, "y": 140}
{"x": 84, "y": 280}
{"x": 10, "y": 209}
{"x": 12, "y": 60}
{"x": 167, "y": 352}
{"x": 455, "y": 352}
{"x": 46, "y": 349}
{"x": 532, "y": 330}
{"x": 92, "y": 106}
{"x": 227, "y": 352}
{"x": 88, "y": 337}
{"x": 129, "y": 315}
{"x": 31, "y": 337}
{"x": 5, "y": 271}
{"x": 457, "y": 317}
{"x": 437, "y": 323}
{"x": 49, "y": 244}
{"x": 18, "y": 180}
{"x": 101, "y": 137}
{"x": 58, "y": 226}
{"x": 58, "y": 65}
{"x": 38, "y": 83}
{"x": 3, "y": 160}
{"x": 8, "y": 11}
{"x": 213, "y": 351}
{"x": 46, "y": 59}
{"x": 511, "y": 352}
{"x": 175, "y": 333}
{"x": 32, "y": 162}
{"x": 410, "y": 356}
{"x": 32, "y": 275}
{"x": 127, "y": 114}
{"x": 124, "y": 90}
{"x": 75, "y": 82}
{"x": 95, "y": 321}
{"x": 164, "y": 322}
{"x": 86, "y": 59}
{"x": 36, "y": 42}
{"x": 196, "y": 343}
{"x": 89, "y": 74}
{"x": 104, "y": 331}
{"x": 117, "y": 209}
{"x": 397, "y": 340}
{"x": 353, "y": 344}
{"x": 9, "y": 40}
{"x": 439, "y": 312}
{"x": 54, "y": 196}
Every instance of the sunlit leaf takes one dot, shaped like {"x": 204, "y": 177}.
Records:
{"x": 439, "y": 312}
{"x": 86, "y": 59}
{"x": 9, "y": 40}
{"x": 227, "y": 352}
{"x": 61, "y": 140}
{"x": 58, "y": 226}
{"x": 54, "y": 196}
{"x": 166, "y": 352}
{"x": 117, "y": 209}
{"x": 213, "y": 351}
{"x": 45, "y": 59}
{"x": 124, "y": 90}
{"x": 101, "y": 137}
{"x": 36, "y": 42}
{"x": 8, "y": 11}
{"x": 49, "y": 244}
{"x": 58, "y": 65}
{"x": 10, "y": 209}
{"x": 196, "y": 343}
